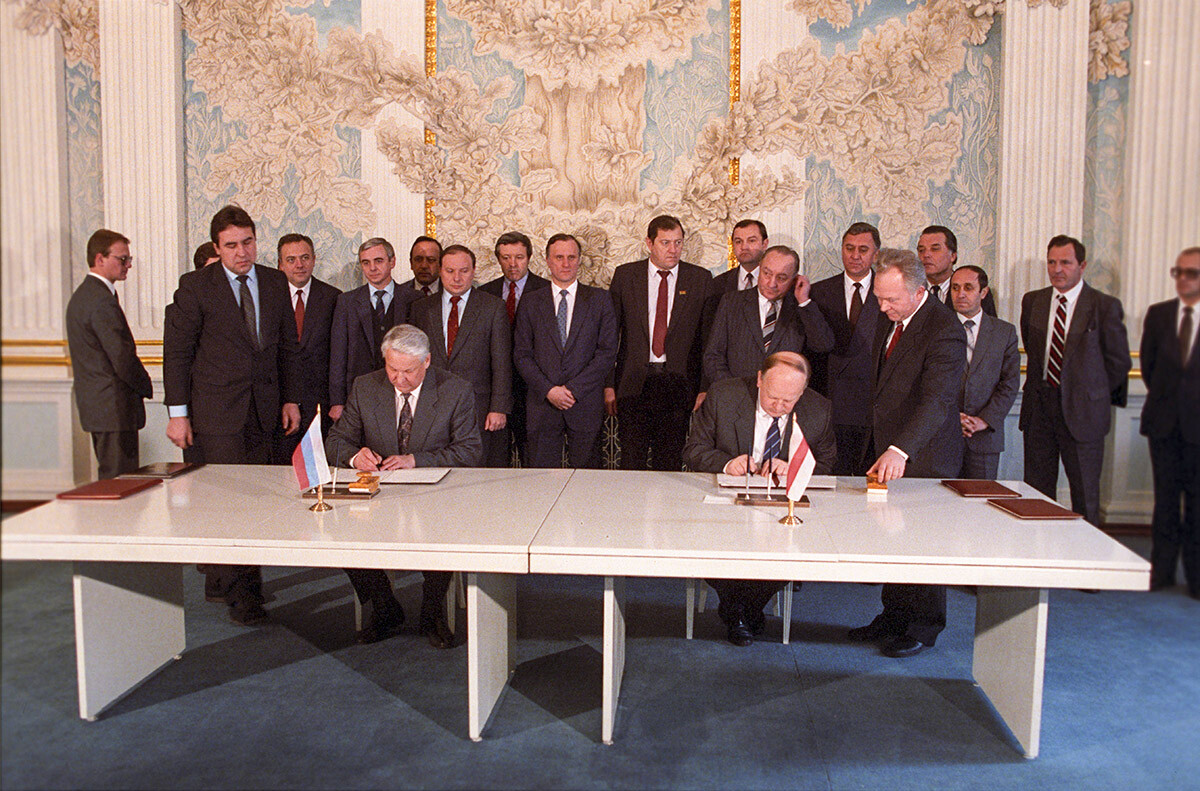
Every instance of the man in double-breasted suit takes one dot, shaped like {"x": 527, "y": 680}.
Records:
{"x": 513, "y": 251}
{"x": 312, "y": 302}
{"x": 564, "y": 345}
{"x": 469, "y": 336}
{"x": 404, "y": 416}
{"x": 1077, "y": 361}
{"x": 659, "y": 303}
{"x": 744, "y": 427}
{"x": 993, "y": 374}
{"x": 231, "y": 375}
{"x": 777, "y": 316}
{"x": 361, "y": 317}
{"x": 110, "y": 380}
{"x": 847, "y": 373}
{"x": 1170, "y": 357}
{"x": 920, "y": 351}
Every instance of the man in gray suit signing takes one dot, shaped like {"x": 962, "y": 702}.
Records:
{"x": 403, "y": 416}
{"x": 110, "y": 380}
{"x": 993, "y": 374}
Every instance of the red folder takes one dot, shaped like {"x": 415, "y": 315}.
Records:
{"x": 1034, "y": 508}
{"x": 980, "y": 488}
{"x": 110, "y": 489}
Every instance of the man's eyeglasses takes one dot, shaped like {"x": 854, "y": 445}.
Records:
{"x": 1190, "y": 274}
{"x": 126, "y": 260}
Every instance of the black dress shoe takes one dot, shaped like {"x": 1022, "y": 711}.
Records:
{"x": 871, "y": 633}
{"x": 216, "y": 598}
{"x": 248, "y": 614}
{"x": 439, "y": 635}
{"x": 901, "y": 646}
{"x": 757, "y": 624}
{"x": 739, "y": 633}
{"x": 382, "y": 628}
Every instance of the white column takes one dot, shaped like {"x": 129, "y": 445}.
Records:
{"x": 141, "y": 112}
{"x": 400, "y": 214}
{"x": 768, "y": 28}
{"x": 1162, "y": 159}
{"x": 1043, "y": 137}
{"x": 36, "y": 265}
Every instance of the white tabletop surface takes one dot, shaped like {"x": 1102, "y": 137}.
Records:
{"x": 647, "y": 524}
{"x": 235, "y": 513}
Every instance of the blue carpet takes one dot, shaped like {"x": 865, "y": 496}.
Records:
{"x": 298, "y": 704}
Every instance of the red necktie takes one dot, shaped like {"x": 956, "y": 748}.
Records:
{"x": 659, "y": 343}
{"x": 511, "y": 302}
{"x": 452, "y": 325}
{"x": 299, "y": 314}
{"x": 895, "y": 338}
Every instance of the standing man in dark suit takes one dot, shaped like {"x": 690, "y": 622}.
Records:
{"x": 744, "y": 427}
{"x": 230, "y": 357}
{"x": 404, "y": 416}
{"x": 469, "y": 336}
{"x": 993, "y": 374}
{"x": 1077, "y": 360}
{"x": 659, "y": 302}
{"x": 938, "y": 250}
{"x": 749, "y": 241}
{"x": 921, "y": 356}
{"x": 110, "y": 380}
{"x": 312, "y": 302}
{"x": 361, "y": 317}
{"x": 513, "y": 251}
{"x": 777, "y": 316}
{"x": 847, "y": 373}
{"x": 1171, "y": 420}
{"x": 205, "y": 254}
{"x": 424, "y": 257}
{"x": 565, "y": 344}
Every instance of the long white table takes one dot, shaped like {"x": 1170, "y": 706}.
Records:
{"x": 128, "y": 581}
{"x": 620, "y": 524}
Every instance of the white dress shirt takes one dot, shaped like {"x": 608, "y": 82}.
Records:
{"x": 519, "y": 285}
{"x": 762, "y": 424}
{"x": 764, "y": 306}
{"x": 462, "y": 305}
{"x": 305, "y": 289}
{"x": 1072, "y": 300}
{"x": 742, "y": 285}
{"x": 848, "y": 289}
{"x": 652, "y": 281}
{"x": 972, "y": 331}
{"x": 388, "y": 292}
{"x": 412, "y": 404}
{"x": 571, "y": 289}
{"x": 111, "y": 286}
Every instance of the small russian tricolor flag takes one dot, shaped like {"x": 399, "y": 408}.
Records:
{"x": 309, "y": 458}
{"x": 800, "y": 463}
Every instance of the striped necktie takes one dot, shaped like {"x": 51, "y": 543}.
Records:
{"x": 773, "y": 443}
{"x": 769, "y": 326}
{"x": 1057, "y": 341}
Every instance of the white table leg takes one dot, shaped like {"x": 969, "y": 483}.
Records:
{"x": 491, "y": 632}
{"x": 614, "y": 653}
{"x": 1010, "y": 657}
{"x": 128, "y": 624}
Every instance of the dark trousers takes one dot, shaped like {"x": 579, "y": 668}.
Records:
{"x": 1176, "y": 465}
{"x": 516, "y": 421}
{"x": 373, "y": 586}
{"x": 652, "y": 425}
{"x": 546, "y": 443}
{"x": 979, "y": 466}
{"x": 744, "y": 598}
{"x": 495, "y": 448}
{"x": 1047, "y": 439}
{"x": 116, "y": 452}
{"x": 918, "y": 611}
{"x": 240, "y": 586}
{"x": 852, "y": 445}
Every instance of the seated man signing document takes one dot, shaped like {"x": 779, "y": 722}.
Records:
{"x": 745, "y": 425}
{"x": 403, "y": 416}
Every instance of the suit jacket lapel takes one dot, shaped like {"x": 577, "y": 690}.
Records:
{"x": 1080, "y": 319}
{"x": 984, "y": 335}
{"x": 426, "y": 408}
{"x": 366, "y": 318}
{"x": 219, "y": 281}
{"x": 387, "y": 420}
{"x": 582, "y": 305}
{"x": 467, "y": 321}
{"x": 642, "y": 299}
{"x": 750, "y": 314}
{"x": 743, "y": 421}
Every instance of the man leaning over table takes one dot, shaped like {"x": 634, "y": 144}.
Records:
{"x": 742, "y": 422}
{"x": 403, "y": 416}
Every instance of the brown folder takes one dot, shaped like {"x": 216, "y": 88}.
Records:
{"x": 979, "y": 488}
{"x": 163, "y": 469}
{"x": 109, "y": 489}
{"x": 1034, "y": 508}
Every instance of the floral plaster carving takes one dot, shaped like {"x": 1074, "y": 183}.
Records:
{"x": 1108, "y": 40}
{"x": 77, "y": 21}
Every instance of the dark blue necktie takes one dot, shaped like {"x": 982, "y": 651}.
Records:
{"x": 771, "y": 448}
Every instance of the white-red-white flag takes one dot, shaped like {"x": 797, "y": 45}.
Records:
{"x": 800, "y": 463}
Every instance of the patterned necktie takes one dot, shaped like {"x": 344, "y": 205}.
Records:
{"x": 1057, "y": 342}
{"x": 773, "y": 443}
{"x": 425, "y": 290}
{"x": 511, "y": 302}
{"x": 452, "y": 325}
{"x": 659, "y": 343}
{"x": 856, "y": 304}
{"x": 1185, "y": 335}
{"x": 562, "y": 315}
{"x": 749, "y": 281}
{"x": 379, "y": 312}
{"x": 299, "y": 314}
{"x": 248, "y": 308}
{"x": 769, "y": 326}
{"x": 936, "y": 292}
{"x": 895, "y": 338}
{"x": 970, "y": 325}
{"x": 404, "y": 427}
